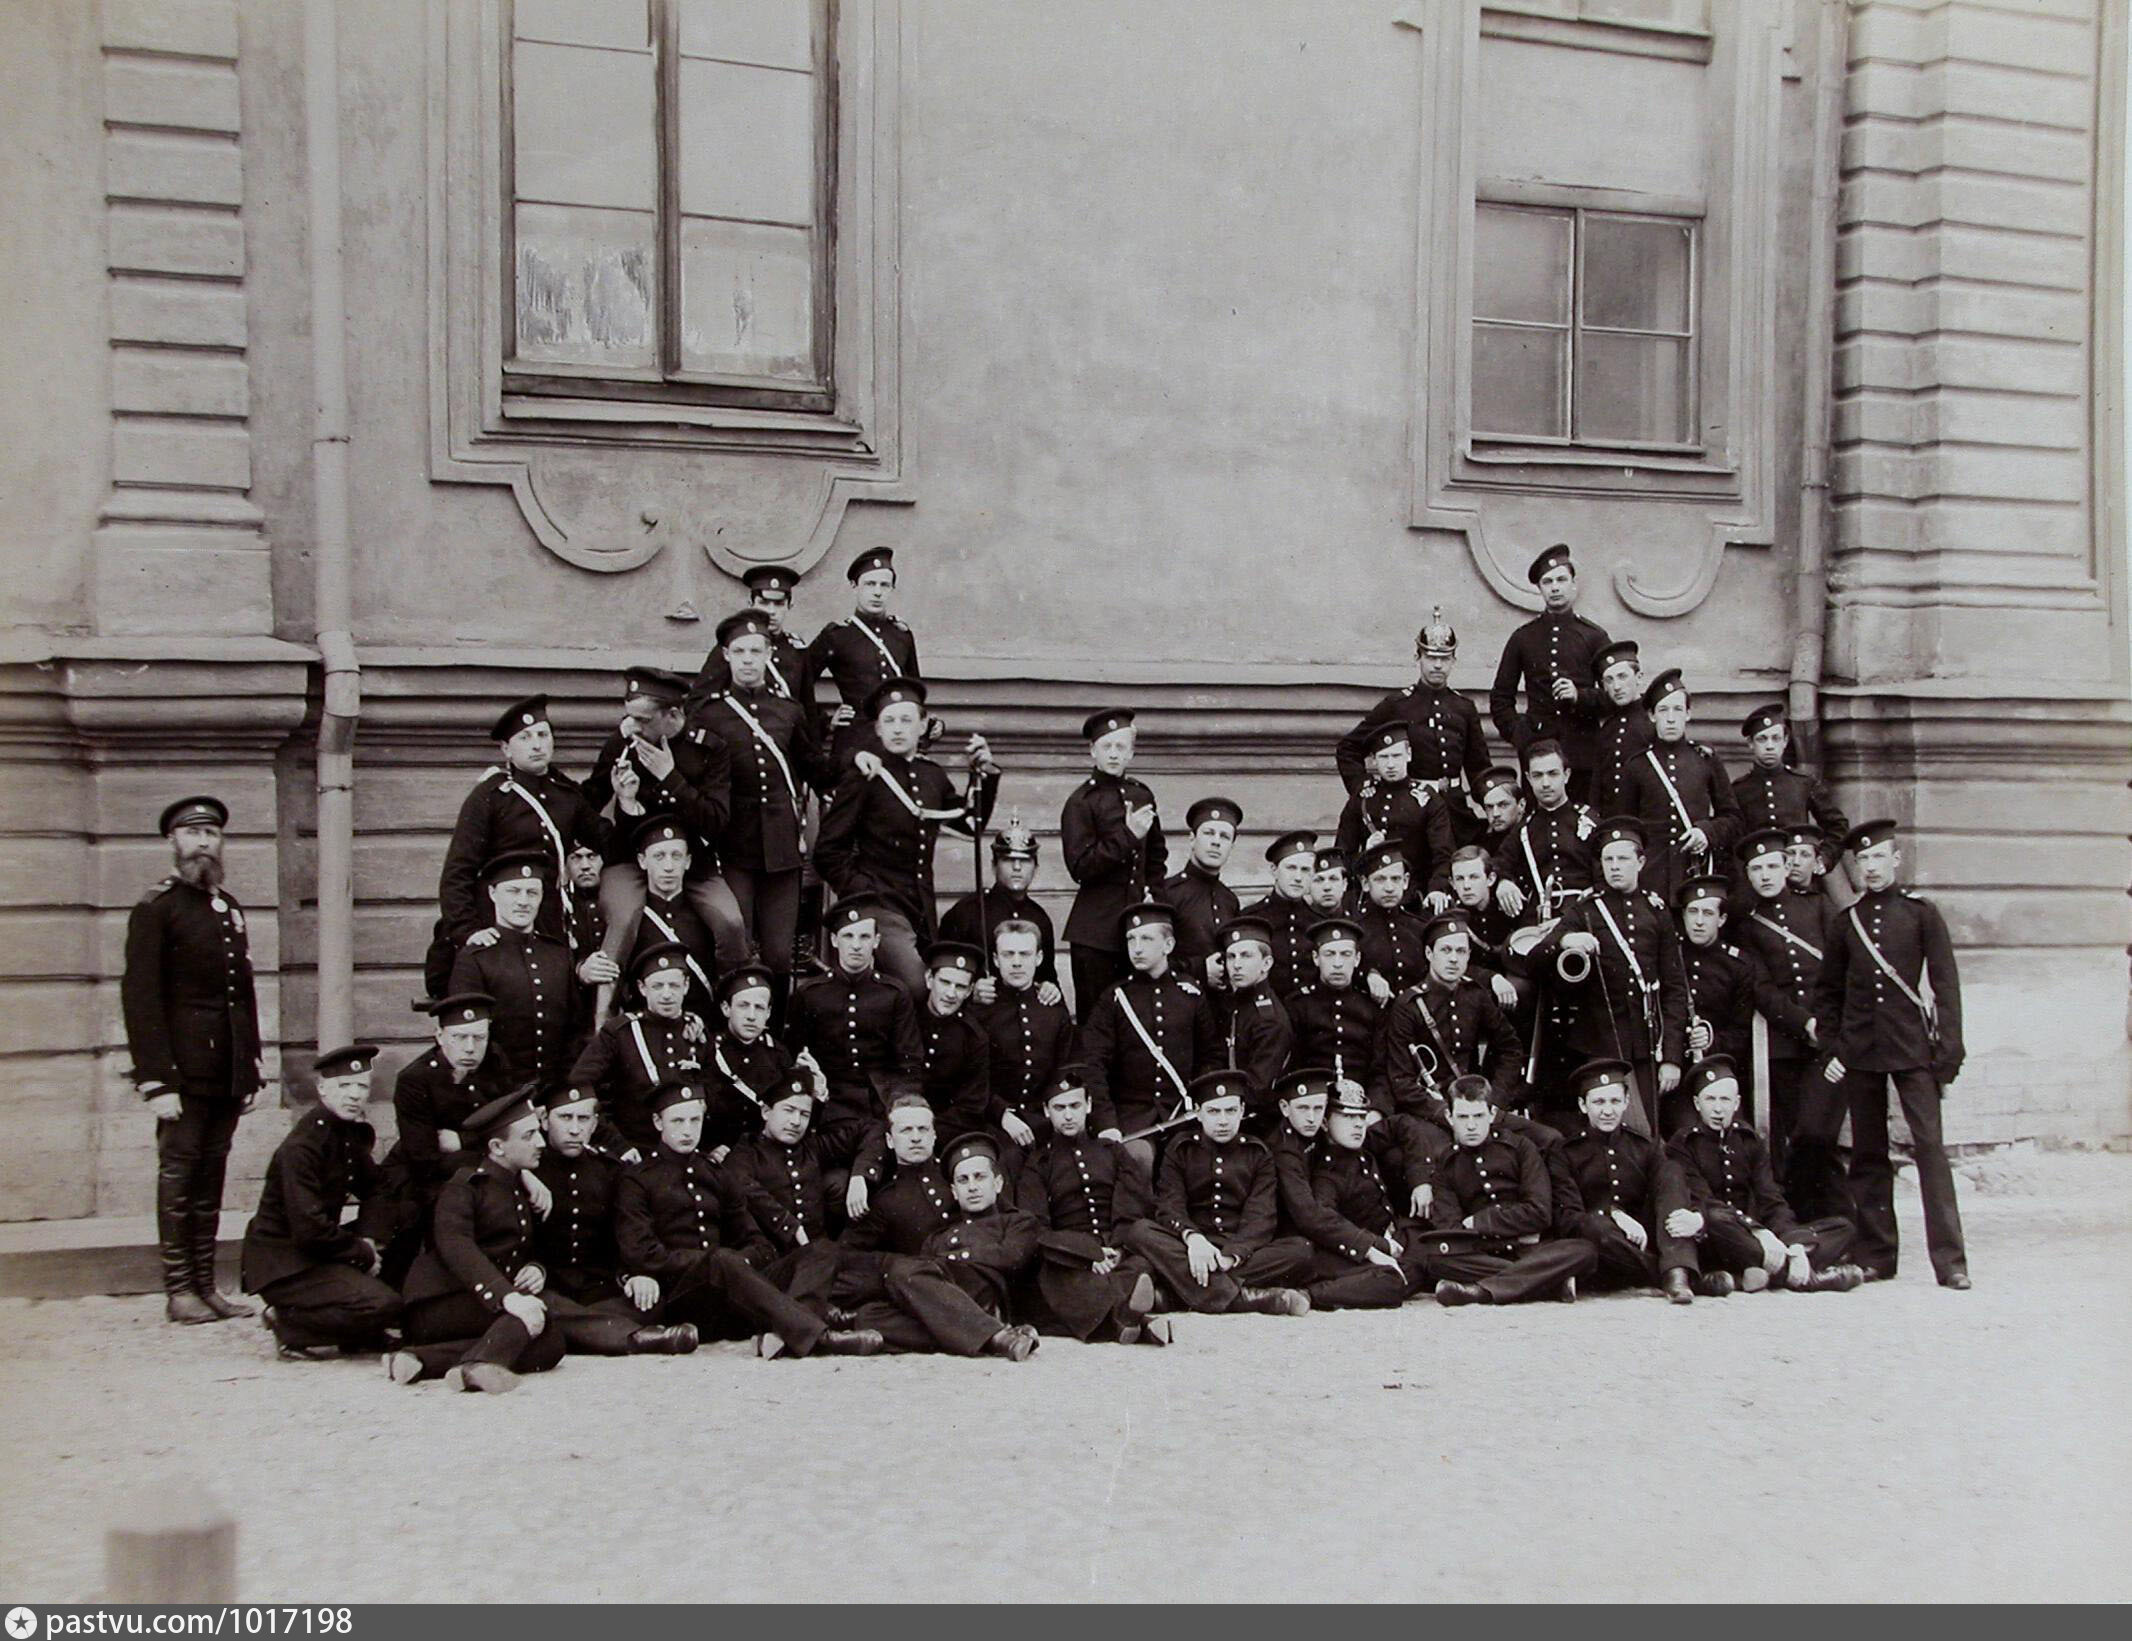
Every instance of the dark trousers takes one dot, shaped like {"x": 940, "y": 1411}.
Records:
{"x": 1729, "y": 1242}
{"x": 1808, "y": 1110}
{"x": 1873, "y": 1171}
{"x": 332, "y": 1305}
{"x": 1624, "y": 1265}
{"x": 767, "y": 905}
{"x": 1337, "y": 1283}
{"x": 919, "y": 1309}
{"x": 1076, "y": 1302}
{"x": 192, "y": 1154}
{"x": 1283, "y": 1262}
{"x": 1094, "y": 973}
{"x": 457, "y": 1330}
{"x": 1532, "y": 1270}
{"x": 728, "y": 1298}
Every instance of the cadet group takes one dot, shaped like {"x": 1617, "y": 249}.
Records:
{"x": 710, "y": 1062}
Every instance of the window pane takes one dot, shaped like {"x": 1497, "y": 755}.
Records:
{"x": 1634, "y": 387}
{"x": 747, "y": 299}
{"x": 582, "y": 126}
{"x": 624, "y": 23}
{"x": 1636, "y": 274}
{"x": 1520, "y": 265}
{"x": 776, "y": 32}
{"x": 1517, "y": 381}
{"x": 747, "y": 143}
{"x": 584, "y": 284}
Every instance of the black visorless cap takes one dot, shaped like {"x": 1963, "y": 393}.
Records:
{"x": 519, "y": 715}
{"x": 770, "y": 577}
{"x": 1557, "y": 554}
{"x": 894, "y": 692}
{"x": 874, "y": 558}
{"x": 743, "y": 624}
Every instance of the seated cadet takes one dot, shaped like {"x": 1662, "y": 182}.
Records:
{"x": 669, "y": 916}
{"x": 1083, "y": 1192}
{"x": 534, "y": 1024}
{"x": 1473, "y": 896}
{"x": 1410, "y": 814}
{"x": 477, "y": 1315}
{"x": 634, "y": 1052}
{"x": 742, "y": 1060}
{"x": 988, "y": 1246}
{"x": 974, "y": 919}
{"x": 861, "y": 1029}
{"x": 957, "y": 1079}
{"x": 1203, "y": 902}
{"x": 1337, "y": 1022}
{"x": 1625, "y": 1191}
{"x": 1392, "y": 954}
{"x": 1494, "y": 1203}
{"x": 791, "y": 1179}
{"x": 1503, "y": 810}
{"x": 1727, "y": 987}
{"x": 1404, "y": 1148}
{"x": 319, "y": 1279}
{"x": 1365, "y": 1253}
{"x": 1735, "y": 1212}
{"x": 433, "y": 1094}
{"x": 685, "y": 1235}
{"x": 907, "y": 1196}
{"x": 1149, "y": 1036}
{"x": 1213, "y": 1238}
{"x": 1328, "y": 896}
{"x": 1286, "y": 907}
{"x": 1445, "y": 1028}
{"x": 1028, "y": 1036}
{"x": 574, "y": 1240}
{"x": 1256, "y": 1037}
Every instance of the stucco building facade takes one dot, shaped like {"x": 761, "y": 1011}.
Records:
{"x": 1188, "y": 353}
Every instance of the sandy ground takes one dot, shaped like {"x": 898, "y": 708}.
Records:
{"x": 1897, "y": 1443}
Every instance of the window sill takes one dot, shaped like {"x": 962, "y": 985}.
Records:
{"x": 1639, "y": 470}
{"x": 561, "y": 416}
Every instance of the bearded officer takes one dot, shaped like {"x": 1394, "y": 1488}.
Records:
{"x": 1551, "y": 657}
{"x": 192, "y": 1024}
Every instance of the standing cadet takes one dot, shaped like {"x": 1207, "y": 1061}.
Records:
{"x": 1551, "y": 657}
{"x": 1114, "y": 848}
{"x": 432, "y": 1097}
{"x": 1446, "y": 1028}
{"x": 1203, "y": 902}
{"x": 1493, "y": 1208}
{"x": 1286, "y": 908}
{"x": 319, "y": 1279}
{"x": 1890, "y": 1009}
{"x": 638, "y": 1051}
{"x": 1335, "y": 1020}
{"x": 1633, "y": 1003}
{"x": 1214, "y": 1237}
{"x": 523, "y": 804}
{"x": 1029, "y": 1034}
{"x": 1450, "y": 750}
{"x": 973, "y": 918}
{"x": 860, "y": 654}
{"x": 1365, "y": 1253}
{"x": 1255, "y": 1033}
{"x": 1392, "y": 954}
{"x": 1627, "y": 1188}
{"x": 882, "y": 826}
{"x": 1151, "y": 1034}
{"x": 526, "y": 971}
{"x": 1395, "y": 806}
{"x": 1624, "y": 725}
{"x": 1681, "y": 793}
{"x": 776, "y": 763}
{"x": 650, "y": 767}
{"x": 1771, "y": 792}
{"x": 784, "y": 666}
{"x": 192, "y": 1024}
{"x": 957, "y": 1080}
{"x": 1084, "y": 1193}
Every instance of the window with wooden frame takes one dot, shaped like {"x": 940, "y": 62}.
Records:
{"x": 1584, "y": 328}
{"x": 669, "y": 171}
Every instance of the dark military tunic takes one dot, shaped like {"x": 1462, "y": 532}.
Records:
{"x": 1255, "y": 1038}
{"x": 1501, "y": 1185}
{"x": 1027, "y": 1041}
{"x": 901, "y": 1212}
{"x": 870, "y": 842}
{"x": 192, "y": 1014}
{"x": 849, "y": 654}
{"x": 1357, "y": 1206}
{"x": 1392, "y": 947}
{"x": 1555, "y": 840}
{"x": 535, "y": 1024}
{"x": 1726, "y": 987}
{"x": 1411, "y": 816}
{"x": 628, "y": 1058}
{"x": 322, "y": 1165}
{"x": 1623, "y": 734}
{"x": 1113, "y": 868}
{"x": 1705, "y": 792}
{"x": 497, "y": 818}
{"x": 697, "y": 791}
{"x": 1789, "y": 934}
{"x": 1864, "y": 1016}
{"x": 863, "y": 1032}
{"x": 677, "y": 919}
{"x": 783, "y": 677}
{"x": 786, "y": 1187}
{"x": 1786, "y": 798}
{"x": 673, "y": 1206}
{"x": 762, "y": 834}
{"x": 1471, "y": 1034}
{"x": 1728, "y": 1173}
{"x": 480, "y": 1239}
{"x": 983, "y": 1254}
{"x": 1443, "y": 727}
{"x": 1628, "y": 1172}
{"x": 576, "y": 1242}
{"x": 957, "y": 1077}
{"x": 1203, "y": 904}
{"x": 1290, "y": 920}
{"x": 1126, "y": 1084}
{"x": 427, "y": 1102}
{"x": 974, "y": 922}
{"x": 1340, "y": 1030}
{"x": 1084, "y": 1186}
{"x": 1228, "y": 1194}
{"x": 1625, "y": 1031}
{"x": 736, "y": 1076}
{"x": 1546, "y": 648}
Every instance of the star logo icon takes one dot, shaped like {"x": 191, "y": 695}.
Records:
{"x": 21, "y": 1623}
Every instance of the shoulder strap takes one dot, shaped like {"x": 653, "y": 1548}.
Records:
{"x": 895, "y": 667}
{"x": 1154, "y": 1048}
{"x": 777, "y": 752}
{"x": 1780, "y": 930}
{"x": 669, "y": 932}
{"x": 1651, "y": 757}
{"x": 1922, "y": 1001}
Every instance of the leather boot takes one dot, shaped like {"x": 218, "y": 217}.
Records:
{"x": 850, "y": 1342}
{"x": 1715, "y": 1284}
{"x": 1016, "y": 1344}
{"x": 492, "y": 1377}
{"x": 1677, "y": 1287}
{"x": 1461, "y": 1293}
{"x": 190, "y": 1309}
{"x": 676, "y": 1340}
{"x": 1836, "y": 1279}
{"x": 1273, "y": 1301}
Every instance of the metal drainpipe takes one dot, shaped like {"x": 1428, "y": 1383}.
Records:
{"x": 1810, "y": 624}
{"x": 330, "y": 542}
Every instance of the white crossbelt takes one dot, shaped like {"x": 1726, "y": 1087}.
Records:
{"x": 1161, "y": 1059}
{"x": 673, "y": 934}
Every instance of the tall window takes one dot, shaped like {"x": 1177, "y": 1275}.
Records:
{"x": 671, "y": 181}
{"x": 1584, "y": 327}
